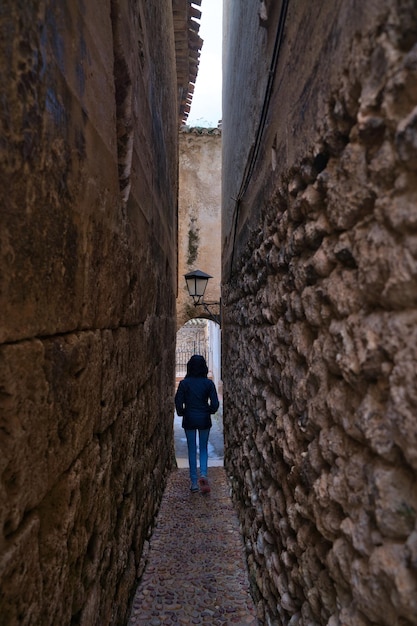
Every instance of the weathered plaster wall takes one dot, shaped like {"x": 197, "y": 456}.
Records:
{"x": 320, "y": 310}
{"x": 199, "y": 215}
{"x": 88, "y": 184}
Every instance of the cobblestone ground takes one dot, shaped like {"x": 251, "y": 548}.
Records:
{"x": 196, "y": 572}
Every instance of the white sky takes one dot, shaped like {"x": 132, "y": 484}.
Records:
{"x": 206, "y": 105}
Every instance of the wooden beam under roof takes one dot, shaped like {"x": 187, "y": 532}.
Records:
{"x": 188, "y": 46}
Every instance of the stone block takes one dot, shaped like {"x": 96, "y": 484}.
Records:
{"x": 87, "y": 302}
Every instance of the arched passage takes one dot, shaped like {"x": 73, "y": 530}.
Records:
{"x": 200, "y": 336}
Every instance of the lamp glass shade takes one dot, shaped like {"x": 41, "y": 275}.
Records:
{"x": 196, "y": 284}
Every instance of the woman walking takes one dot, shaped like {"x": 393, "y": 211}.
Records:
{"x": 196, "y": 401}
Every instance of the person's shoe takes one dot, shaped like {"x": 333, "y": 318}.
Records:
{"x": 204, "y": 485}
{"x": 194, "y": 487}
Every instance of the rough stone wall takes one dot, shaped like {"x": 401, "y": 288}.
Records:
{"x": 320, "y": 312}
{"x": 199, "y": 215}
{"x": 88, "y": 190}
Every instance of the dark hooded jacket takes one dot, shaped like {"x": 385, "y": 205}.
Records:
{"x": 196, "y": 398}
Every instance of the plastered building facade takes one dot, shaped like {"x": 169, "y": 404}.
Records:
{"x": 199, "y": 216}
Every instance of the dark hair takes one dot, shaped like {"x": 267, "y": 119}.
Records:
{"x": 197, "y": 367}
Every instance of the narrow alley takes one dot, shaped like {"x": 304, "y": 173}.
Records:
{"x": 297, "y": 211}
{"x": 195, "y": 571}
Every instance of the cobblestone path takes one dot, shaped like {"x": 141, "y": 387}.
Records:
{"x": 196, "y": 572}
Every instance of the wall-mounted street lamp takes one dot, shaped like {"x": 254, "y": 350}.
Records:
{"x": 196, "y": 284}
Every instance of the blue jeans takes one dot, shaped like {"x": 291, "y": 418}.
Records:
{"x": 203, "y": 436}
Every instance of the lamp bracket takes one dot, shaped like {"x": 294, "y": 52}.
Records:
{"x": 213, "y": 316}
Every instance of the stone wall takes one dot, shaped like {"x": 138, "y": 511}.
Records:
{"x": 87, "y": 301}
{"x": 199, "y": 215}
{"x": 320, "y": 308}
